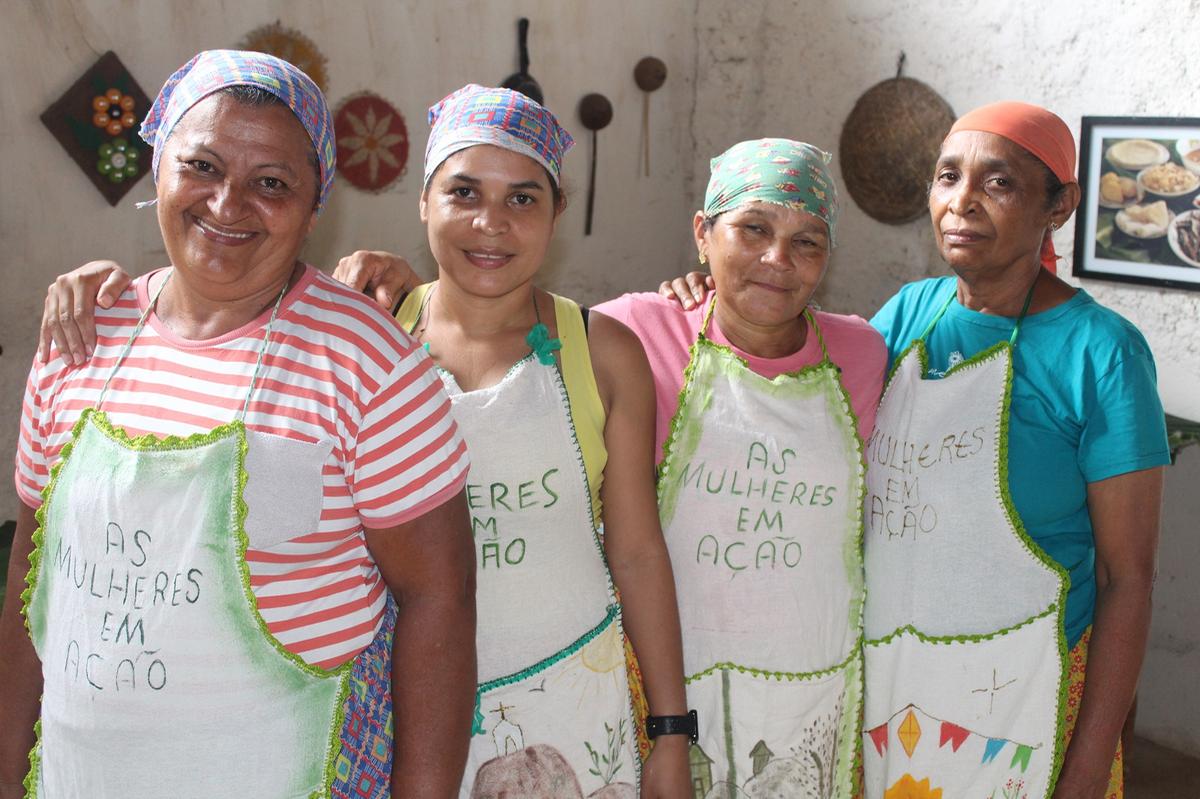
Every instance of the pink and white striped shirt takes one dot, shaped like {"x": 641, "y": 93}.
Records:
{"x": 338, "y": 372}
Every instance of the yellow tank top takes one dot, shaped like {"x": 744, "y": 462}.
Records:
{"x": 575, "y": 365}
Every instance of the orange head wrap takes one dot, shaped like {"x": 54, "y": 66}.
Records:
{"x": 1040, "y": 132}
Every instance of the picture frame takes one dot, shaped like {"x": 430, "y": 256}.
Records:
{"x": 1139, "y": 216}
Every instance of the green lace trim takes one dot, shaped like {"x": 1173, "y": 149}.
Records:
{"x": 613, "y": 615}
{"x": 946, "y": 640}
{"x": 1004, "y": 495}
{"x": 778, "y": 676}
{"x": 32, "y": 576}
{"x": 33, "y": 777}
{"x": 334, "y": 747}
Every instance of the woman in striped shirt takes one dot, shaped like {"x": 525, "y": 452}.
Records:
{"x": 225, "y": 493}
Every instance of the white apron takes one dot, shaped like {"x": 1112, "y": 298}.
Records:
{"x": 160, "y": 678}
{"x": 965, "y": 652}
{"x": 760, "y": 492}
{"x": 553, "y": 716}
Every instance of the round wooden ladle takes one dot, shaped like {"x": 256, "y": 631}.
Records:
{"x": 649, "y": 75}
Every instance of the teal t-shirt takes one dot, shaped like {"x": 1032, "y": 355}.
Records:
{"x": 1084, "y": 407}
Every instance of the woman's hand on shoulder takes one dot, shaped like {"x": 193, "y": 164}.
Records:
{"x": 689, "y": 290}
{"x": 69, "y": 314}
{"x": 383, "y": 275}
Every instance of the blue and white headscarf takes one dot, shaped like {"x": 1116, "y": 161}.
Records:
{"x": 213, "y": 70}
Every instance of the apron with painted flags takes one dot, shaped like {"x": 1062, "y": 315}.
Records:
{"x": 160, "y": 677}
{"x": 760, "y": 492}
{"x": 965, "y": 652}
{"x": 553, "y": 714}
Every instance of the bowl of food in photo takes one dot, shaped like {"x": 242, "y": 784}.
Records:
{"x": 1117, "y": 191}
{"x": 1183, "y": 234}
{"x": 1168, "y": 180}
{"x": 1136, "y": 154}
{"x": 1144, "y": 221}
{"x": 1189, "y": 154}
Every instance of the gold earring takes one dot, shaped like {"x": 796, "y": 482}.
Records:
{"x": 703, "y": 258}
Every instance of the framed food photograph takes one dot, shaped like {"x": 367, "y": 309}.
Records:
{"x": 1139, "y": 218}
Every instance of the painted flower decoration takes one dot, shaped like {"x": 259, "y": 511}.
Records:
{"x": 370, "y": 142}
{"x": 118, "y": 161}
{"x": 908, "y": 788}
{"x": 114, "y": 112}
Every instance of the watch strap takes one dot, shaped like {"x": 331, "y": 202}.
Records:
{"x": 673, "y": 725}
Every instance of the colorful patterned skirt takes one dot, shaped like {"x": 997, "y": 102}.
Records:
{"x": 363, "y": 769}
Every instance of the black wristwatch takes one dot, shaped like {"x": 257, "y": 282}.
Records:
{"x": 673, "y": 725}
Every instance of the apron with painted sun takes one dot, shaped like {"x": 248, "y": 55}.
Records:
{"x": 553, "y": 714}
{"x": 160, "y": 677}
{"x": 760, "y": 490}
{"x": 965, "y": 651}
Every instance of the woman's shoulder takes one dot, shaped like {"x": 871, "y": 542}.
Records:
{"x": 857, "y": 348}
{"x": 1087, "y": 335}
{"x": 850, "y": 327}
{"x": 646, "y": 305}
{"x": 348, "y": 320}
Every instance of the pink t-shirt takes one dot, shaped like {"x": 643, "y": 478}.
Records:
{"x": 667, "y": 332}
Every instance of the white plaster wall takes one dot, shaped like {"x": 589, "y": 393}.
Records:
{"x": 796, "y": 67}
{"x": 1167, "y": 706}
{"x": 413, "y": 53}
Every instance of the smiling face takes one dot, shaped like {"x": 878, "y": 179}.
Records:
{"x": 236, "y": 196}
{"x": 490, "y": 214}
{"x": 989, "y": 204}
{"x": 767, "y": 260}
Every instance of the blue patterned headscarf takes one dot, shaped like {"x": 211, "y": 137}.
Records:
{"x": 479, "y": 115}
{"x": 777, "y": 171}
{"x": 213, "y": 70}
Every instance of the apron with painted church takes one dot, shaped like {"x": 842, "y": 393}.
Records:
{"x": 760, "y": 491}
{"x": 553, "y": 713}
{"x": 965, "y": 651}
{"x": 160, "y": 677}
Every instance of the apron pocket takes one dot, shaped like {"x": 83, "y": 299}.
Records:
{"x": 284, "y": 487}
{"x": 971, "y": 716}
{"x": 780, "y": 735}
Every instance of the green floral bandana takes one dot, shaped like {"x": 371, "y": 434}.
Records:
{"x": 779, "y": 171}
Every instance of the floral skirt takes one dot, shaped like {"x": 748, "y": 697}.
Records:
{"x": 1076, "y": 670}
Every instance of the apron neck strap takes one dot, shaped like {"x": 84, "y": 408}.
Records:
{"x": 812, "y": 323}
{"x": 150, "y": 306}
{"x": 129, "y": 342}
{"x": 708, "y": 315}
{"x": 809, "y": 319}
{"x": 262, "y": 351}
{"x": 1012, "y": 339}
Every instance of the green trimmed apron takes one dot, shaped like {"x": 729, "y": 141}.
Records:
{"x": 760, "y": 491}
{"x": 160, "y": 677}
{"x": 554, "y": 717}
{"x": 965, "y": 652}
